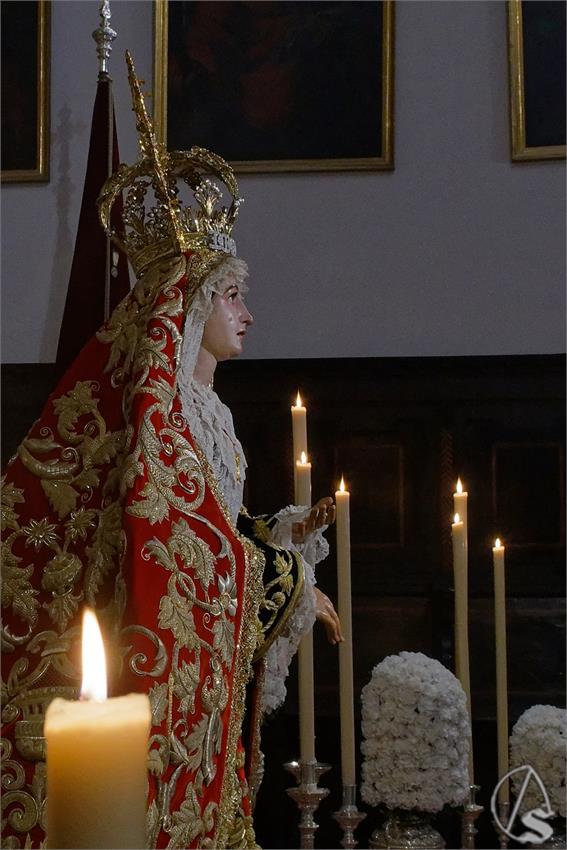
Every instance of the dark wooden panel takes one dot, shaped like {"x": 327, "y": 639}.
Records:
{"x": 527, "y": 493}
{"x": 378, "y": 470}
{"x": 536, "y": 653}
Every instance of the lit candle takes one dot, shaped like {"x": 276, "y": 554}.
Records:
{"x": 96, "y": 760}
{"x": 299, "y": 425}
{"x": 460, "y": 577}
{"x": 460, "y": 499}
{"x": 305, "y": 652}
{"x": 303, "y": 481}
{"x": 346, "y": 688}
{"x": 501, "y": 672}
{"x": 299, "y": 429}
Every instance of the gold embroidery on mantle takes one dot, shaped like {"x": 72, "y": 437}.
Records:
{"x": 246, "y": 645}
{"x": 27, "y": 807}
{"x": 278, "y": 599}
{"x": 67, "y": 461}
{"x": 68, "y": 469}
{"x": 198, "y": 586}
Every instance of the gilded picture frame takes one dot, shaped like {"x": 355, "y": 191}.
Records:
{"x": 26, "y": 47}
{"x": 256, "y": 134}
{"x": 536, "y": 58}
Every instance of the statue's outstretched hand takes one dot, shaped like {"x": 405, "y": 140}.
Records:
{"x": 326, "y": 614}
{"x": 322, "y": 513}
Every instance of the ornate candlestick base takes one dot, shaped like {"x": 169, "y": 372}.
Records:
{"x": 471, "y": 812}
{"x": 348, "y": 816}
{"x": 406, "y": 830}
{"x": 502, "y": 821}
{"x": 307, "y": 795}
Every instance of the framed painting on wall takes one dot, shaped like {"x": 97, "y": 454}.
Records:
{"x": 536, "y": 55}
{"x": 277, "y": 86}
{"x": 25, "y": 60}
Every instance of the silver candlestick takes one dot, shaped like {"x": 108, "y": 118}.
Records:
{"x": 349, "y": 816}
{"x": 502, "y": 821}
{"x": 471, "y": 812}
{"x": 307, "y": 796}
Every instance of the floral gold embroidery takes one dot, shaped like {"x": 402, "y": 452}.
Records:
{"x": 261, "y": 530}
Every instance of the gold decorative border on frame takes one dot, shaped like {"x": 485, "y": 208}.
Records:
{"x": 519, "y": 150}
{"x": 383, "y": 162}
{"x": 41, "y": 172}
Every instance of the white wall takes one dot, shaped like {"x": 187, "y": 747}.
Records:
{"x": 458, "y": 251}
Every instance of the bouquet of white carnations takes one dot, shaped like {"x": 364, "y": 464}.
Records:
{"x": 538, "y": 740}
{"x": 416, "y": 733}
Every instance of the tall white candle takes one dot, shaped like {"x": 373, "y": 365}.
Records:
{"x": 306, "y": 698}
{"x": 501, "y": 666}
{"x": 460, "y": 577}
{"x": 346, "y": 686}
{"x": 305, "y": 652}
{"x": 96, "y": 764}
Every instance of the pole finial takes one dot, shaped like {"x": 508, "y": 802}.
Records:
{"x": 104, "y": 35}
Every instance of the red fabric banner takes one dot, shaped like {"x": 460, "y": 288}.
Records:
{"x": 86, "y": 296}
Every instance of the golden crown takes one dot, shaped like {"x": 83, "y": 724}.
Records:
{"x": 168, "y": 227}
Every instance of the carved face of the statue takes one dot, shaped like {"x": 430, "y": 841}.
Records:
{"x": 226, "y": 327}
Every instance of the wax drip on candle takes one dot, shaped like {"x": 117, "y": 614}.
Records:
{"x": 93, "y": 685}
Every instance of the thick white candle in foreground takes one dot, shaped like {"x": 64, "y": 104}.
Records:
{"x": 96, "y": 770}
{"x": 460, "y": 578}
{"x": 460, "y": 500}
{"x": 501, "y": 667}
{"x": 346, "y": 687}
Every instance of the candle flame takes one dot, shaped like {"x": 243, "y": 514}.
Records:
{"x": 298, "y": 402}
{"x": 497, "y": 543}
{"x": 94, "y": 664}
{"x": 303, "y": 458}
{"x": 456, "y": 518}
{"x": 342, "y": 484}
{"x": 459, "y": 486}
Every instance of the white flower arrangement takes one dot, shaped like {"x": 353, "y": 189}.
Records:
{"x": 538, "y": 739}
{"x": 416, "y": 733}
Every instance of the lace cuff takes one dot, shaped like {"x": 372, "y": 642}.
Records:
{"x": 314, "y": 549}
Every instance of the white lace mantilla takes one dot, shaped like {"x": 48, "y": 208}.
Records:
{"x": 210, "y": 422}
